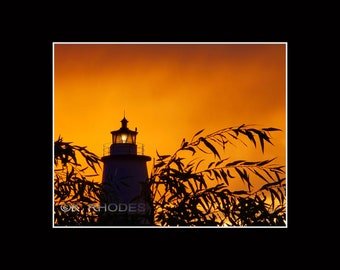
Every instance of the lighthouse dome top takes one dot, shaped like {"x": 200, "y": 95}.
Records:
{"x": 124, "y": 135}
{"x": 124, "y": 122}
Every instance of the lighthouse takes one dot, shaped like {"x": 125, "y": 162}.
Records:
{"x": 125, "y": 181}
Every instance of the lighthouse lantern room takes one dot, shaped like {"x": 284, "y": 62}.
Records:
{"x": 124, "y": 140}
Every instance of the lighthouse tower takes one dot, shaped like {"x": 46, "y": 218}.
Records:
{"x": 126, "y": 201}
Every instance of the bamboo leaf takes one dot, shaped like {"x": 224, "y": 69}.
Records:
{"x": 271, "y": 129}
{"x": 184, "y": 143}
{"x": 210, "y": 164}
{"x": 202, "y": 150}
{"x": 271, "y": 177}
{"x": 265, "y": 136}
{"x": 159, "y": 164}
{"x": 273, "y": 199}
{"x": 249, "y": 163}
{"x": 210, "y": 146}
{"x": 277, "y": 176}
{"x": 190, "y": 148}
{"x": 261, "y": 141}
{"x": 199, "y": 132}
{"x": 228, "y": 173}
{"x": 261, "y": 136}
{"x": 241, "y": 126}
{"x": 217, "y": 175}
{"x": 246, "y": 178}
{"x": 251, "y": 137}
{"x": 265, "y": 162}
{"x": 234, "y": 163}
{"x": 275, "y": 194}
{"x": 219, "y": 162}
{"x": 240, "y": 192}
{"x": 282, "y": 194}
{"x": 224, "y": 176}
{"x": 198, "y": 163}
{"x": 260, "y": 175}
{"x": 239, "y": 172}
{"x": 209, "y": 175}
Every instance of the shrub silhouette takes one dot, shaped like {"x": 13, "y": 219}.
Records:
{"x": 187, "y": 194}
{"x": 73, "y": 192}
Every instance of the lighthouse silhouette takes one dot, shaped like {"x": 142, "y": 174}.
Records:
{"x": 126, "y": 194}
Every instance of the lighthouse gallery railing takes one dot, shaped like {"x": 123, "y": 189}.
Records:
{"x": 106, "y": 149}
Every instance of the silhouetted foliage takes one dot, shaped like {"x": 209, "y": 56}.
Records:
{"x": 186, "y": 189}
{"x": 73, "y": 192}
{"x": 187, "y": 194}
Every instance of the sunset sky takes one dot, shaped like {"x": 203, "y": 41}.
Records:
{"x": 169, "y": 91}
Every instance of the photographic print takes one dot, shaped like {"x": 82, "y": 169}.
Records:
{"x": 169, "y": 134}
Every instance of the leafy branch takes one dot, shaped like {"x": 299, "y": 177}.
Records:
{"x": 73, "y": 192}
{"x": 181, "y": 189}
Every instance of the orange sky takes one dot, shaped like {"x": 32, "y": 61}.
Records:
{"x": 169, "y": 92}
